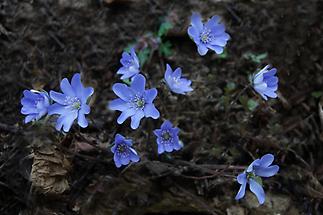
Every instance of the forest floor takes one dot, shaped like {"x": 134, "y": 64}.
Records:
{"x": 43, "y": 171}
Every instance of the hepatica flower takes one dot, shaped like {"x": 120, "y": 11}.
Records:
{"x": 174, "y": 81}
{"x": 71, "y": 104}
{"x": 210, "y": 35}
{"x": 130, "y": 64}
{"x": 167, "y": 138}
{"x": 134, "y": 101}
{"x": 265, "y": 82}
{"x": 252, "y": 176}
{"x": 34, "y": 105}
{"x": 123, "y": 152}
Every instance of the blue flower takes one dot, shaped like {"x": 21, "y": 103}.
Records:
{"x": 211, "y": 35}
{"x": 134, "y": 101}
{"x": 174, "y": 81}
{"x": 257, "y": 169}
{"x": 123, "y": 153}
{"x": 167, "y": 138}
{"x": 130, "y": 65}
{"x": 265, "y": 82}
{"x": 34, "y": 104}
{"x": 71, "y": 104}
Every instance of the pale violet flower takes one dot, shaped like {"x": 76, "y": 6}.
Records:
{"x": 130, "y": 64}
{"x": 265, "y": 82}
{"x": 134, "y": 101}
{"x": 210, "y": 35}
{"x": 34, "y": 104}
{"x": 174, "y": 81}
{"x": 258, "y": 168}
{"x": 71, "y": 104}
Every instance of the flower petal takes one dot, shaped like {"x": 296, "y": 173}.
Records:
{"x": 242, "y": 191}
{"x": 257, "y": 190}
{"x": 151, "y": 111}
{"x": 57, "y": 109}
{"x": 123, "y": 91}
{"x": 135, "y": 119}
{"x": 118, "y": 104}
{"x": 202, "y": 49}
{"x": 138, "y": 83}
{"x": 196, "y": 21}
{"x": 77, "y": 85}
{"x": 67, "y": 88}
{"x": 150, "y": 95}
{"x": 266, "y": 171}
{"x": 126, "y": 114}
{"x": 81, "y": 120}
{"x": 266, "y": 160}
{"x": 58, "y": 97}
{"x": 242, "y": 178}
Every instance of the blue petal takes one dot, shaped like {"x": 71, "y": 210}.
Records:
{"x": 85, "y": 109}
{"x": 242, "y": 178}
{"x": 166, "y": 125}
{"x": 196, "y": 21}
{"x": 161, "y": 149}
{"x": 266, "y": 171}
{"x": 29, "y": 118}
{"x": 117, "y": 161}
{"x": 217, "y": 49}
{"x": 87, "y": 92}
{"x": 242, "y": 191}
{"x": 133, "y": 155}
{"x": 123, "y": 91}
{"x": 118, "y": 104}
{"x": 81, "y": 120}
{"x": 28, "y": 110}
{"x": 266, "y": 160}
{"x": 67, "y": 88}
{"x": 257, "y": 190}
{"x": 212, "y": 22}
{"x": 168, "y": 147}
{"x": 58, "y": 97}
{"x": 126, "y": 114}
{"x": 177, "y": 73}
{"x": 270, "y": 93}
{"x": 77, "y": 85}
{"x": 150, "y": 95}
{"x": 202, "y": 49}
{"x": 168, "y": 72}
{"x": 68, "y": 120}
{"x": 57, "y": 109}
{"x": 124, "y": 160}
{"x": 119, "y": 138}
{"x": 193, "y": 32}
{"x": 135, "y": 119}
{"x": 138, "y": 83}
{"x": 151, "y": 111}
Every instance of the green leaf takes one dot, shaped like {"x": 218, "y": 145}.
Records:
{"x": 164, "y": 28}
{"x": 165, "y": 49}
{"x": 223, "y": 55}
{"x": 254, "y": 57}
{"x": 129, "y": 46}
{"x": 143, "y": 56}
{"x": 127, "y": 81}
{"x": 231, "y": 86}
{"x": 252, "y": 104}
{"x": 317, "y": 94}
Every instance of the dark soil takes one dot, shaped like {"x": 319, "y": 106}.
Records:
{"x": 43, "y": 171}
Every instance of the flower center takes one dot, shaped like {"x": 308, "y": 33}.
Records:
{"x": 205, "y": 35}
{"x": 73, "y": 102}
{"x": 166, "y": 136}
{"x": 139, "y": 102}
